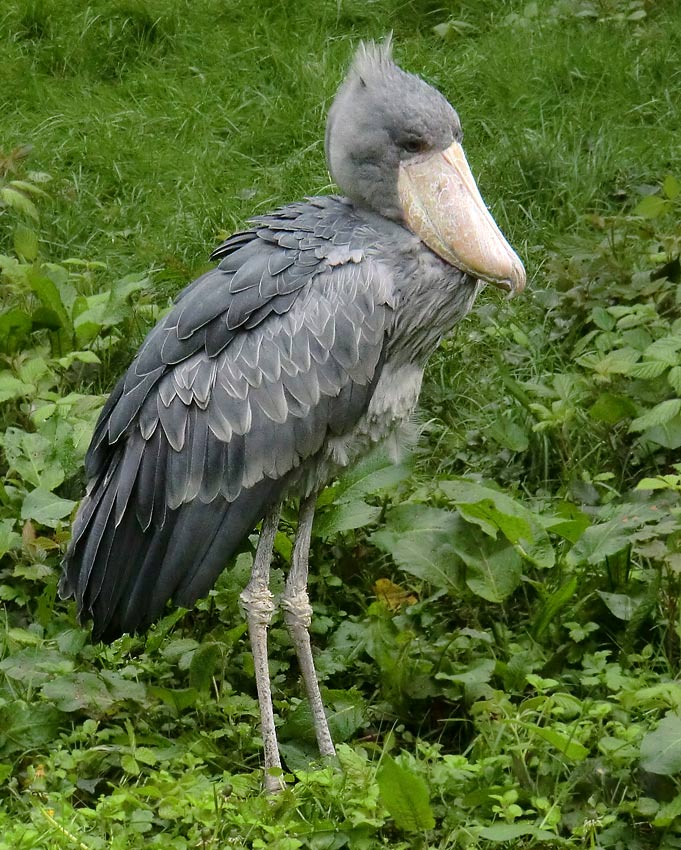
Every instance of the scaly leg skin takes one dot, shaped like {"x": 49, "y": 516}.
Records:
{"x": 258, "y": 604}
{"x": 297, "y": 616}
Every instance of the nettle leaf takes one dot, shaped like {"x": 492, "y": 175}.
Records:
{"x": 26, "y": 242}
{"x": 32, "y": 457}
{"x": 11, "y": 387}
{"x": 658, "y": 415}
{"x": 16, "y": 200}
{"x": 661, "y": 748}
{"x": 674, "y": 378}
{"x": 665, "y": 350}
{"x": 405, "y": 796}
{"x": 27, "y": 726}
{"x": 494, "y": 511}
{"x": 46, "y": 508}
{"x": 647, "y": 369}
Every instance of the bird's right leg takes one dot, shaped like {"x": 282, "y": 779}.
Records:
{"x": 258, "y": 604}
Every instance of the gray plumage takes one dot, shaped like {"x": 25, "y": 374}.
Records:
{"x": 273, "y": 371}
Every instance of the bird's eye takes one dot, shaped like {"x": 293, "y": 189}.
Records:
{"x": 414, "y": 145}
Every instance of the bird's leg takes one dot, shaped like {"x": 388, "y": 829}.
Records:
{"x": 297, "y": 616}
{"x": 258, "y": 604}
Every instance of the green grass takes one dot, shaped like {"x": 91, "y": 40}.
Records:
{"x": 165, "y": 123}
{"x": 500, "y": 660}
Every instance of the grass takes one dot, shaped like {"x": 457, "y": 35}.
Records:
{"x": 500, "y": 660}
{"x": 165, "y": 124}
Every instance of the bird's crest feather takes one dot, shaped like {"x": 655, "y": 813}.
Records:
{"x": 373, "y": 59}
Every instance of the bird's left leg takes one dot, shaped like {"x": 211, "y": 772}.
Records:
{"x": 297, "y": 616}
{"x": 258, "y": 604}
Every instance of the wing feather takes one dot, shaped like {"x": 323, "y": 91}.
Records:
{"x": 260, "y": 362}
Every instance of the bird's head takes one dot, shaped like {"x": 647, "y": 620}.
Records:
{"x": 393, "y": 144}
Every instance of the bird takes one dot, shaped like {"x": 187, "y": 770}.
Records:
{"x": 301, "y": 350}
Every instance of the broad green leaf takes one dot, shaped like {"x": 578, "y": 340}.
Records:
{"x": 11, "y": 387}
{"x": 16, "y": 200}
{"x": 566, "y": 744}
{"x": 661, "y": 748}
{"x": 553, "y": 605}
{"x": 121, "y": 688}
{"x": 602, "y": 318}
{"x": 662, "y": 482}
{"x": 9, "y": 538}
{"x": 568, "y": 521}
{"x": 667, "y": 435}
{"x": 611, "y": 409}
{"x": 420, "y": 541}
{"x": 405, "y": 796}
{"x": 34, "y": 664}
{"x": 345, "y": 711}
{"x": 46, "y": 508}
{"x": 477, "y": 673}
{"x": 625, "y": 524}
{"x": 493, "y": 567}
{"x": 658, "y": 415}
{"x": 620, "y": 604}
{"x": 647, "y": 370}
{"x": 77, "y": 691}
{"x": 376, "y": 472}
{"x": 510, "y": 435}
{"x": 495, "y": 511}
{"x": 599, "y": 542}
{"x": 27, "y": 726}
{"x": 81, "y": 356}
{"x": 652, "y": 206}
{"x": 614, "y": 363}
{"x": 671, "y": 187}
{"x": 668, "y": 813}
{"x": 345, "y": 516}
{"x": 674, "y": 378}
{"x": 26, "y": 242}
{"x": 15, "y": 326}
{"x": 49, "y": 296}
{"x": 32, "y": 457}
{"x": 666, "y": 350}
{"x": 512, "y": 831}
{"x": 203, "y": 665}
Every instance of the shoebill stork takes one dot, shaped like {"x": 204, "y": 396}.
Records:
{"x": 300, "y": 351}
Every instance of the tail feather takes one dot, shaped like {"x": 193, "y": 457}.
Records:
{"x": 122, "y": 570}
